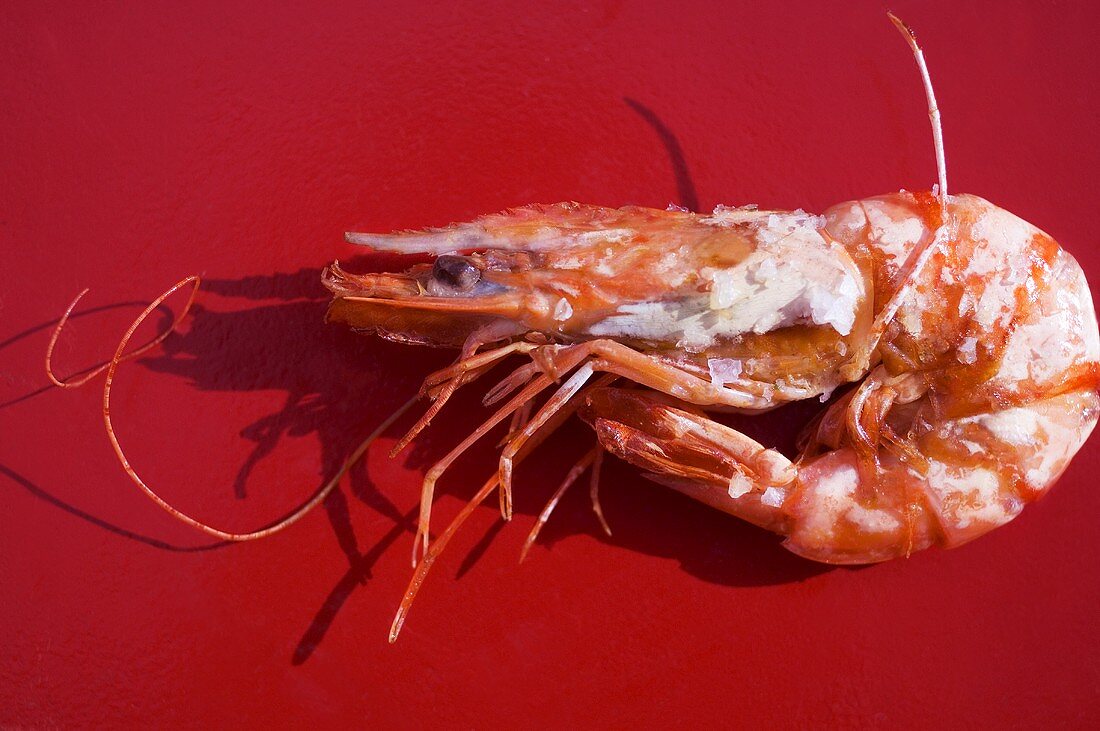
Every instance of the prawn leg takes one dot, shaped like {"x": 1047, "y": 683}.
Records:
{"x": 685, "y": 450}
{"x": 468, "y": 367}
{"x": 588, "y": 460}
{"x": 594, "y": 490}
{"x": 557, "y": 402}
{"x": 427, "y": 489}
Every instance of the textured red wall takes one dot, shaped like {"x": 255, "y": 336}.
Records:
{"x": 144, "y": 143}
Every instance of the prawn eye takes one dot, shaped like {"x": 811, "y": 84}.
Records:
{"x": 455, "y": 273}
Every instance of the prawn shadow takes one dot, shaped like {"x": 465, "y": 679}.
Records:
{"x": 685, "y": 186}
{"x": 277, "y": 341}
{"x": 57, "y": 502}
{"x": 281, "y": 344}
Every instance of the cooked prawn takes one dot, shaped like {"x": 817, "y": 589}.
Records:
{"x": 970, "y": 334}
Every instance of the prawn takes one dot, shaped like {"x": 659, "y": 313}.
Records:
{"x": 969, "y": 333}
{"x": 966, "y": 337}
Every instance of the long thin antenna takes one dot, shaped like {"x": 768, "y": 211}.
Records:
{"x": 112, "y": 369}
{"x": 933, "y": 110}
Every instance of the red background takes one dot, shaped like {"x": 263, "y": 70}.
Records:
{"x": 143, "y": 143}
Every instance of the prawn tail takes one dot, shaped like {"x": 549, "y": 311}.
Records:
{"x": 953, "y": 483}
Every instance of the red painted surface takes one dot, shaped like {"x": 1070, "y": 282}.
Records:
{"x": 143, "y": 144}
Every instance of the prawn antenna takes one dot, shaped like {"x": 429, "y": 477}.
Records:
{"x": 88, "y": 374}
{"x": 933, "y": 109}
{"x": 121, "y": 356}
